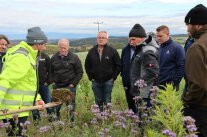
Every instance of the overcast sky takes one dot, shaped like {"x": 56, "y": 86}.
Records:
{"x": 78, "y": 16}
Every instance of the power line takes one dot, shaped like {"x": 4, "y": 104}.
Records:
{"x": 98, "y": 23}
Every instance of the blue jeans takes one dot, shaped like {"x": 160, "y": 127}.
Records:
{"x": 72, "y": 110}
{"x": 102, "y": 92}
{"x": 46, "y": 97}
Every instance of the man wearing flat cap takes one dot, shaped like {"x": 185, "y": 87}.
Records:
{"x": 18, "y": 80}
{"x": 195, "y": 97}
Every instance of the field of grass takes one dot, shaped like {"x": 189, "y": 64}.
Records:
{"x": 83, "y": 125}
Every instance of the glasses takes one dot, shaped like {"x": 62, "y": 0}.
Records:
{"x": 101, "y": 37}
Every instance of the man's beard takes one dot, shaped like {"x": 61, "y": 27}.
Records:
{"x": 193, "y": 32}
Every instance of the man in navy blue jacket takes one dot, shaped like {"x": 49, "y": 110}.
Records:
{"x": 190, "y": 40}
{"x": 126, "y": 56}
{"x": 171, "y": 60}
{"x": 188, "y": 43}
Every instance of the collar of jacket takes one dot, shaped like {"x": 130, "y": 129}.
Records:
{"x": 166, "y": 43}
{"x": 58, "y": 53}
{"x": 130, "y": 47}
{"x": 139, "y": 47}
{"x": 103, "y": 46}
{"x": 201, "y": 31}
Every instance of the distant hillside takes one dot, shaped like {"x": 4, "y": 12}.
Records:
{"x": 116, "y": 42}
{"x": 180, "y": 35}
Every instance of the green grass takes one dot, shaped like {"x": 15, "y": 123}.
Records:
{"x": 84, "y": 100}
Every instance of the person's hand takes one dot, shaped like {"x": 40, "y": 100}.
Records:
{"x": 41, "y": 103}
{"x": 71, "y": 85}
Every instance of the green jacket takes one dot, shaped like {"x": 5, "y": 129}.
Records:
{"x": 18, "y": 80}
{"x": 196, "y": 71}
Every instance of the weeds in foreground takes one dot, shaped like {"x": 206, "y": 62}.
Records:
{"x": 163, "y": 119}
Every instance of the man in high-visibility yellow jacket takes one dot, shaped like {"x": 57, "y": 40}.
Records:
{"x": 18, "y": 80}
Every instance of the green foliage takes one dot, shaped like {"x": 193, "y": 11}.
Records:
{"x": 168, "y": 112}
{"x": 153, "y": 133}
{"x": 118, "y": 95}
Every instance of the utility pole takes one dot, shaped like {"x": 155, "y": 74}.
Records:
{"x": 98, "y": 23}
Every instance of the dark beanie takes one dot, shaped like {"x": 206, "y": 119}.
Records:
{"x": 197, "y": 15}
{"x": 137, "y": 31}
{"x": 36, "y": 36}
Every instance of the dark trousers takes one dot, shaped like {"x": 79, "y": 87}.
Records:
{"x": 147, "y": 101}
{"x": 102, "y": 92}
{"x": 141, "y": 113}
{"x": 72, "y": 110}
{"x": 130, "y": 101}
{"x": 199, "y": 113}
{"x": 12, "y": 131}
{"x": 46, "y": 97}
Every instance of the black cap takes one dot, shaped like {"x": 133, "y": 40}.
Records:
{"x": 137, "y": 31}
{"x": 197, "y": 15}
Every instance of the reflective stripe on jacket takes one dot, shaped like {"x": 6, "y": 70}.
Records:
{"x": 18, "y": 81}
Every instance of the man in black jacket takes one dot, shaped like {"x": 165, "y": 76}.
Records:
{"x": 144, "y": 63}
{"x": 102, "y": 65}
{"x": 43, "y": 77}
{"x": 66, "y": 72}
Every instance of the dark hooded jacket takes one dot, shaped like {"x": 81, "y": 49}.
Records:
{"x": 145, "y": 66}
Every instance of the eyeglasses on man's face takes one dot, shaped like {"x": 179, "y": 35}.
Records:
{"x": 101, "y": 37}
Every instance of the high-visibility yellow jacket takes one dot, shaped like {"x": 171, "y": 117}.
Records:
{"x": 18, "y": 80}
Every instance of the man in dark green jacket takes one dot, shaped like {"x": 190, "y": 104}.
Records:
{"x": 195, "y": 97}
